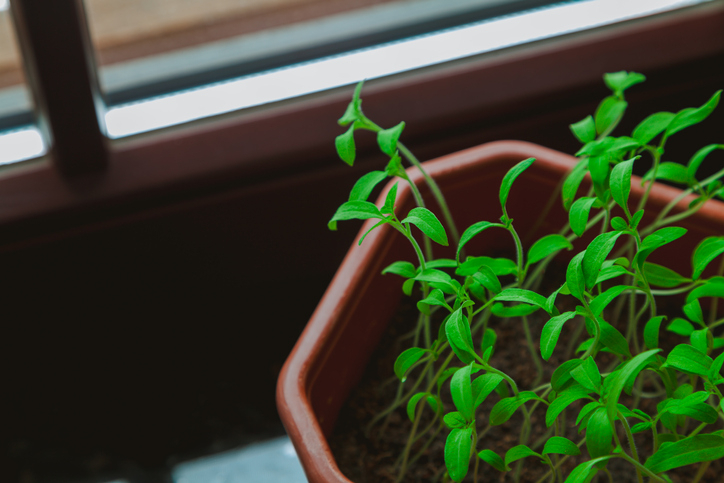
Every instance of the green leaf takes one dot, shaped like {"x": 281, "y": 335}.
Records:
{"x": 354, "y": 108}
{"x": 489, "y": 339}
{"x": 609, "y": 113}
{"x": 714, "y": 372}
{"x": 595, "y": 255}
{"x": 504, "y": 409}
{"x": 695, "y": 449}
{"x": 483, "y": 386}
{"x": 651, "y": 331}
{"x": 613, "y": 339}
{"x": 389, "y": 207}
{"x": 550, "y": 333}
{"x": 487, "y": 278}
{"x": 620, "y": 81}
{"x": 629, "y": 371}
{"x": 584, "y": 130}
{"x": 692, "y": 115}
{"x": 572, "y": 182}
{"x": 452, "y": 420}
{"x": 561, "y": 377}
{"x": 492, "y": 459}
{"x": 709, "y": 289}
{"x": 510, "y": 177}
{"x": 607, "y": 273}
{"x": 435, "y": 297}
{"x": 663, "y": 277}
{"x": 433, "y": 275}
{"x": 406, "y": 360}
{"x": 599, "y": 434}
{"x": 601, "y": 301}
{"x": 394, "y": 166}
{"x": 652, "y": 126}
{"x": 546, "y": 246}
{"x": 696, "y": 160}
{"x": 561, "y": 445}
{"x": 403, "y": 269}
{"x": 705, "y": 252}
{"x": 462, "y": 392}
{"x": 579, "y": 213}
{"x": 457, "y": 453}
{"x": 522, "y": 295}
{"x": 517, "y": 453}
{"x": 700, "y": 339}
{"x": 585, "y": 414}
{"x": 471, "y": 231}
{"x": 621, "y": 183}
{"x": 700, "y": 411}
{"x": 500, "y": 310}
{"x": 582, "y": 472}
{"x": 693, "y": 311}
{"x": 387, "y": 138}
{"x": 364, "y": 186}
{"x": 345, "y": 146}
{"x": 499, "y": 266}
{"x": 587, "y": 375}
{"x": 668, "y": 171}
{"x": 640, "y": 427}
{"x": 600, "y": 171}
{"x": 562, "y": 401}
{"x": 689, "y": 360}
{"x": 356, "y": 210}
{"x": 574, "y": 276}
{"x": 656, "y": 240}
{"x": 457, "y": 330}
{"x": 428, "y": 223}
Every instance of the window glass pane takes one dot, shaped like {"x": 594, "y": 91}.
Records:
{"x": 18, "y": 139}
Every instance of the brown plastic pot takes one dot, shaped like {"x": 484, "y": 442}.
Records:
{"x": 332, "y": 352}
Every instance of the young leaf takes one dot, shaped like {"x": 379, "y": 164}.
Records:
{"x": 607, "y": 273}
{"x": 517, "y": 453}
{"x": 492, "y": 459}
{"x": 428, "y": 223}
{"x": 709, "y": 289}
{"x": 714, "y": 372}
{"x": 504, "y": 409}
{"x": 700, "y": 339}
{"x": 452, "y": 420}
{"x": 500, "y": 310}
{"x": 629, "y": 371}
{"x": 483, "y": 386}
{"x": 595, "y": 254}
{"x": 587, "y": 375}
{"x": 546, "y": 246}
{"x": 489, "y": 338}
{"x": 705, "y": 252}
{"x": 435, "y": 297}
{"x": 655, "y": 240}
{"x": 651, "y": 331}
{"x": 652, "y": 126}
{"x": 462, "y": 392}
{"x": 510, "y": 177}
{"x": 356, "y": 210}
{"x": 578, "y": 214}
{"x": 550, "y": 333}
{"x": 700, "y": 411}
{"x": 387, "y": 138}
{"x": 345, "y": 146}
{"x": 389, "y": 207}
{"x": 689, "y": 360}
{"x": 620, "y": 81}
{"x": 599, "y": 434}
{"x": 572, "y": 182}
{"x": 562, "y": 401}
{"x": 692, "y": 115}
{"x": 561, "y": 377}
{"x": 668, "y": 171}
{"x": 663, "y": 277}
{"x": 364, "y": 186}
{"x": 487, "y": 278}
{"x": 471, "y": 231}
{"x": 403, "y": 269}
{"x": 522, "y": 295}
{"x": 561, "y": 445}
{"x": 457, "y": 330}
{"x": 601, "y": 301}
{"x": 574, "y": 276}
{"x": 406, "y": 360}
{"x": 354, "y": 108}
{"x": 457, "y": 453}
{"x": 695, "y": 449}
{"x": 693, "y": 166}
{"x": 609, "y": 113}
{"x": 433, "y": 275}
{"x": 621, "y": 183}
{"x": 584, "y": 130}
{"x": 599, "y": 168}
{"x": 584, "y": 472}
{"x": 613, "y": 339}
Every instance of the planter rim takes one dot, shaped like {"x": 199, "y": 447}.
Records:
{"x": 301, "y": 367}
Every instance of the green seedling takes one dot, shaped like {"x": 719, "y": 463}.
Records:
{"x": 616, "y": 292}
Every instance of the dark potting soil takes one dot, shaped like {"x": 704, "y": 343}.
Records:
{"x": 372, "y": 457}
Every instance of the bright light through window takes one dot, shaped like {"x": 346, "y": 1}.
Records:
{"x": 4, "y": 4}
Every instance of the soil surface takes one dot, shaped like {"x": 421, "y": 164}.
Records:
{"x": 371, "y": 457}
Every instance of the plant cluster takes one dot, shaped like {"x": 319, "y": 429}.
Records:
{"x": 613, "y": 286}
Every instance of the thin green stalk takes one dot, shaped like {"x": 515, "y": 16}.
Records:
{"x": 631, "y": 443}
{"x": 533, "y": 352}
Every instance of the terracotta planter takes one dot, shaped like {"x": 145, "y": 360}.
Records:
{"x": 332, "y": 352}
